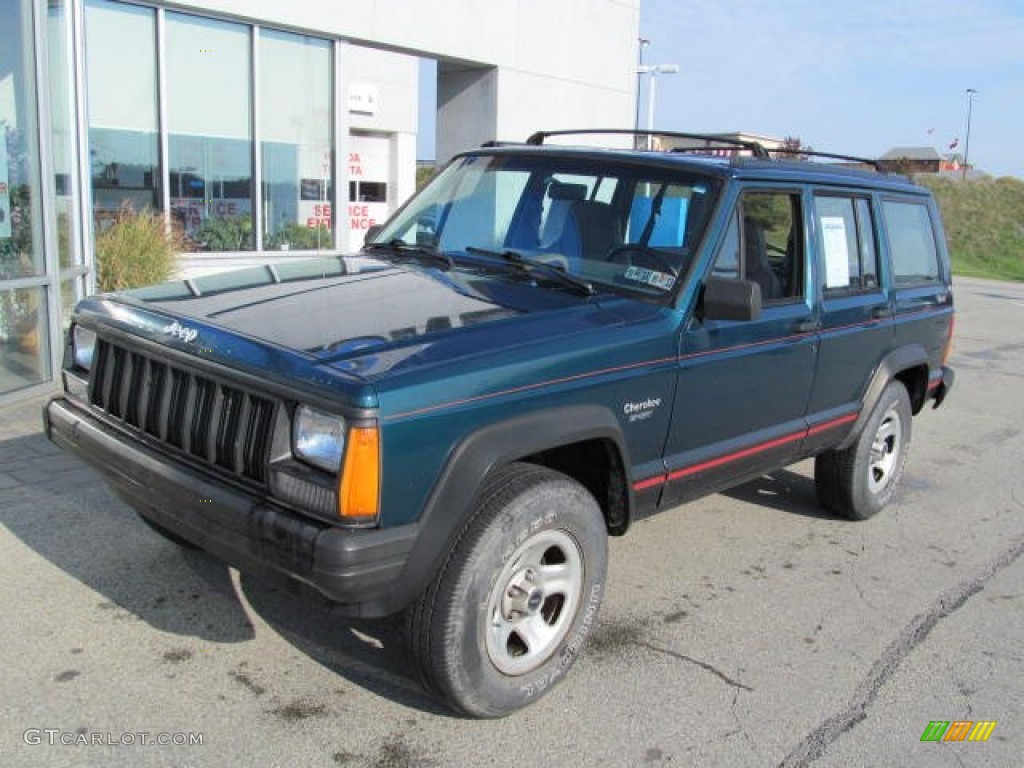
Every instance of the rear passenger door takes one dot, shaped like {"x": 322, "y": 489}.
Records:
{"x": 856, "y": 309}
{"x": 922, "y": 299}
{"x": 744, "y": 386}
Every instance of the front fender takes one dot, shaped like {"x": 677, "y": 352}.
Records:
{"x": 452, "y": 501}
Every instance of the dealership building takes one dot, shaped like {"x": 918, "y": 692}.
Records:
{"x": 263, "y": 130}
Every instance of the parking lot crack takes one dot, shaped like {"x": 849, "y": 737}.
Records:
{"x": 690, "y": 660}
{"x": 814, "y": 744}
{"x": 741, "y": 728}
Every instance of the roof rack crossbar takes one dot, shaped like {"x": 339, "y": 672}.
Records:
{"x": 755, "y": 148}
{"x": 831, "y": 155}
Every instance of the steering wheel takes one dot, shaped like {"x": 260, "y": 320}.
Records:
{"x": 634, "y": 254}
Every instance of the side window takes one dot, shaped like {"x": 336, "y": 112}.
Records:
{"x": 868, "y": 247}
{"x": 727, "y": 263}
{"x": 764, "y": 244}
{"x": 847, "y": 242}
{"x": 915, "y": 258}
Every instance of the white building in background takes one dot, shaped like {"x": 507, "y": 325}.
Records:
{"x": 265, "y": 129}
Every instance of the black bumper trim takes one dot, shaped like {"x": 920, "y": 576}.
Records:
{"x": 357, "y": 569}
{"x": 945, "y": 385}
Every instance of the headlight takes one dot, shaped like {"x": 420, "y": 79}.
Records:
{"x": 83, "y": 346}
{"x": 318, "y": 438}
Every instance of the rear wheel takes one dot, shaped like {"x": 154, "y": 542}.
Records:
{"x": 858, "y": 481}
{"x": 509, "y": 612}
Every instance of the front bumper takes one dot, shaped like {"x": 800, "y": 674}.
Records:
{"x": 359, "y": 570}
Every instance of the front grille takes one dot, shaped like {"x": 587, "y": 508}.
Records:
{"x": 207, "y": 419}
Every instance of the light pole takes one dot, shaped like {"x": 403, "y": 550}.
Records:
{"x": 643, "y": 41}
{"x": 653, "y": 70}
{"x": 967, "y": 140}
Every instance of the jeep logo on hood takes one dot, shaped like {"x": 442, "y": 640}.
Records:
{"x": 183, "y": 332}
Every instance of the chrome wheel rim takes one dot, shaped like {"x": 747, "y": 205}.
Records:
{"x": 532, "y": 604}
{"x": 885, "y": 451}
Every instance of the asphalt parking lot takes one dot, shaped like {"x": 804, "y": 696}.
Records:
{"x": 747, "y": 629}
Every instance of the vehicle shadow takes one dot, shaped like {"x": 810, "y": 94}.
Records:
{"x": 784, "y": 490}
{"x": 368, "y": 653}
{"x": 62, "y": 510}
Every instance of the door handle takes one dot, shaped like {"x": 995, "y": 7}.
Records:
{"x": 880, "y": 313}
{"x": 807, "y": 326}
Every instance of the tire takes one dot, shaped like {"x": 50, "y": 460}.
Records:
{"x": 858, "y": 481}
{"x": 508, "y": 614}
{"x": 170, "y": 536}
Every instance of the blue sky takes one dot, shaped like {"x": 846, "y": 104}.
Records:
{"x": 850, "y": 77}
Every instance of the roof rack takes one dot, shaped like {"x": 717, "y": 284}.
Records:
{"x": 831, "y": 155}
{"x": 755, "y": 148}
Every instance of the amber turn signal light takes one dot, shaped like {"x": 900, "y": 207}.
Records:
{"x": 359, "y": 490}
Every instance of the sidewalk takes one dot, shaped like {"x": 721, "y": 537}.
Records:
{"x": 31, "y": 467}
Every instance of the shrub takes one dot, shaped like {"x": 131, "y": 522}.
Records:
{"x": 984, "y": 220}
{"x": 228, "y": 233}
{"x": 137, "y": 249}
{"x": 296, "y": 237}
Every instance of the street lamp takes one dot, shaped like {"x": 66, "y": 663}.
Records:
{"x": 643, "y": 41}
{"x": 967, "y": 141}
{"x": 653, "y": 70}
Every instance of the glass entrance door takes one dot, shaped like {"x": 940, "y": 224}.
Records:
{"x": 25, "y": 280}
{"x": 42, "y": 269}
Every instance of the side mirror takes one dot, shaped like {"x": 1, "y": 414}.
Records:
{"x": 726, "y": 298}
{"x": 372, "y": 232}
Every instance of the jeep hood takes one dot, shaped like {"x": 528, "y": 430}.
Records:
{"x": 367, "y": 317}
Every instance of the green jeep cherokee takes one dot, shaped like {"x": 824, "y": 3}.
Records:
{"x": 544, "y": 344}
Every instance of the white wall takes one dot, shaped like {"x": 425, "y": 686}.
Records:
{"x": 395, "y": 79}
{"x": 559, "y": 63}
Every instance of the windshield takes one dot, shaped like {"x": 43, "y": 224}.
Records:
{"x": 621, "y": 227}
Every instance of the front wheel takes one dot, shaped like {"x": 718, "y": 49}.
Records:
{"x": 507, "y": 616}
{"x": 858, "y": 481}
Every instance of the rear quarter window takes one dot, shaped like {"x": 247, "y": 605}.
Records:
{"x": 915, "y": 256}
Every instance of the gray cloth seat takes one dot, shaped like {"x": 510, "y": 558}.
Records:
{"x": 591, "y": 230}
{"x": 562, "y": 195}
{"x": 758, "y": 268}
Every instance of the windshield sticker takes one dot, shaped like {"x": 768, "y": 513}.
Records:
{"x": 650, "y": 277}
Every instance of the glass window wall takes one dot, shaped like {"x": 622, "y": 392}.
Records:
{"x": 120, "y": 66}
{"x": 209, "y": 98}
{"x": 295, "y": 146}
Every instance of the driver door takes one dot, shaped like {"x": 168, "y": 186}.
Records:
{"x": 744, "y": 386}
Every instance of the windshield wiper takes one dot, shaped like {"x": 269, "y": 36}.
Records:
{"x": 421, "y": 252}
{"x": 528, "y": 265}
